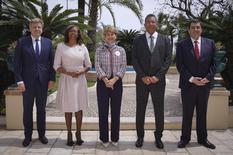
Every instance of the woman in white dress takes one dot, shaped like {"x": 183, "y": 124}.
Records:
{"x": 72, "y": 62}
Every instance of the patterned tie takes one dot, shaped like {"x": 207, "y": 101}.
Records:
{"x": 151, "y": 43}
{"x": 37, "y": 48}
{"x": 197, "y": 51}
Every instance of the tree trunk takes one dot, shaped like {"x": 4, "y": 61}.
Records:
{"x": 0, "y": 8}
{"x": 93, "y": 23}
{"x": 81, "y": 8}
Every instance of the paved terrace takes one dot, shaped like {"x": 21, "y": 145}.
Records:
{"x": 172, "y": 104}
{"x": 11, "y": 144}
{"x": 11, "y": 140}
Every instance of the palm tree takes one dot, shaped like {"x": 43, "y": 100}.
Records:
{"x": 0, "y": 7}
{"x": 172, "y": 26}
{"x": 167, "y": 25}
{"x": 81, "y": 8}
{"x": 95, "y": 7}
{"x": 125, "y": 38}
{"x": 134, "y": 5}
{"x": 57, "y": 20}
{"x": 93, "y": 23}
{"x": 221, "y": 29}
{"x": 16, "y": 15}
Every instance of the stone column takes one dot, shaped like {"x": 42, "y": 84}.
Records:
{"x": 218, "y": 109}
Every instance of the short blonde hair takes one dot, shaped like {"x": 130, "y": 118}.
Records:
{"x": 36, "y": 20}
{"x": 111, "y": 29}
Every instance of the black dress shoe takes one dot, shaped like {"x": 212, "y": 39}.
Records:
{"x": 159, "y": 143}
{"x": 43, "y": 140}
{"x": 26, "y": 142}
{"x": 207, "y": 144}
{"x": 182, "y": 144}
{"x": 139, "y": 142}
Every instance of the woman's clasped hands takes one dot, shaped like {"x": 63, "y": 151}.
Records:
{"x": 110, "y": 82}
{"x": 76, "y": 73}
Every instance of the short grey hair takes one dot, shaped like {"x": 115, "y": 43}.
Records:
{"x": 111, "y": 29}
{"x": 36, "y": 20}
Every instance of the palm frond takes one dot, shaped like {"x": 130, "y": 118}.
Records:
{"x": 22, "y": 10}
{"x": 109, "y": 8}
{"x": 33, "y": 8}
{"x": 140, "y": 5}
{"x": 130, "y": 4}
{"x": 65, "y": 14}
{"x": 56, "y": 9}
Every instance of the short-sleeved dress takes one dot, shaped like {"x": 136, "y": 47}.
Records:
{"x": 72, "y": 93}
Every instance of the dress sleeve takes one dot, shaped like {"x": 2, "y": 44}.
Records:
{"x": 87, "y": 61}
{"x": 58, "y": 57}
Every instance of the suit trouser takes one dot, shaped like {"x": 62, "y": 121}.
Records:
{"x": 39, "y": 93}
{"x": 194, "y": 96}
{"x": 106, "y": 96}
{"x": 157, "y": 94}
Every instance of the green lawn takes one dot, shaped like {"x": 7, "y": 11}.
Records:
{"x": 91, "y": 83}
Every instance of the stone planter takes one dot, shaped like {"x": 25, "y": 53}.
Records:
{"x": 14, "y": 108}
{"x": 219, "y": 115}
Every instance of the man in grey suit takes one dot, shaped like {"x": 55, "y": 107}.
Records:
{"x": 151, "y": 59}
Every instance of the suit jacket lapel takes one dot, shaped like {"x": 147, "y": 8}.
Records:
{"x": 31, "y": 48}
{"x": 192, "y": 51}
{"x": 202, "y": 50}
{"x": 146, "y": 43}
{"x": 42, "y": 47}
{"x": 156, "y": 47}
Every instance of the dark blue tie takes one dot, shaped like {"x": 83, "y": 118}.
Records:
{"x": 37, "y": 49}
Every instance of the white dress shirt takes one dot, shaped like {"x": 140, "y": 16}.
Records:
{"x": 34, "y": 43}
{"x": 148, "y": 38}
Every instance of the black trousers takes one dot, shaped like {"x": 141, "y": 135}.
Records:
{"x": 194, "y": 96}
{"x": 107, "y": 96}
{"x": 157, "y": 94}
{"x": 38, "y": 93}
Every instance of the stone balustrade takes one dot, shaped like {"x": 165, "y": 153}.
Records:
{"x": 219, "y": 115}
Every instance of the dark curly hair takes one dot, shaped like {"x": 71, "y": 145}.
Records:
{"x": 79, "y": 38}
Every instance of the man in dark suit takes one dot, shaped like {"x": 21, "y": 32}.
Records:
{"x": 151, "y": 59}
{"x": 34, "y": 74}
{"x": 196, "y": 65}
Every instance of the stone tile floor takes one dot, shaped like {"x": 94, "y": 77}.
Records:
{"x": 11, "y": 140}
{"x": 11, "y": 144}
